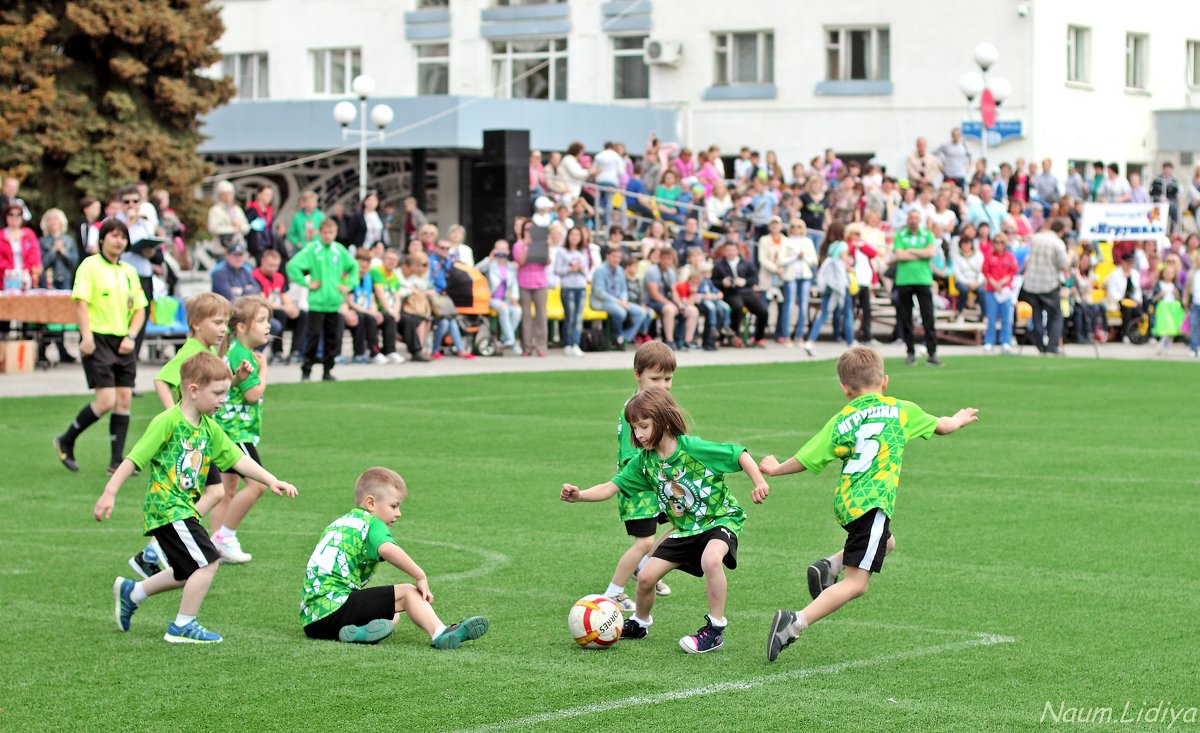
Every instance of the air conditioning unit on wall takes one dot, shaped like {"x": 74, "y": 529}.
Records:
{"x": 661, "y": 53}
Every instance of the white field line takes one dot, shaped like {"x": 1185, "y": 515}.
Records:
{"x": 981, "y": 639}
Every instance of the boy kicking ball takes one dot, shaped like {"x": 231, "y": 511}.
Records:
{"x": 333, "y": 602}
{"x": 178, "y": 447}
{"x": 868, "y": 436}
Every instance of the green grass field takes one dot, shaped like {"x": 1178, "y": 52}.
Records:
{"x": 1045, "y": 554}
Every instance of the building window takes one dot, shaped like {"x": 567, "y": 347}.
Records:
{"x": 858, "y": 54}
{"x": 744, "y": 58}
{"x": 248, "y": 72}
{"x": 1193, "y": 64}
{"x": 516, "y": 3}
{"x": 631, "y": 76}
{"x": 1137, "y": 46}
{"x": 334, "y": 69}
{"x": 534, "y": 69}
{"x": 433, "y": 68}
{"x": 421, "y": 4}
{"x": 1079, "y": 54}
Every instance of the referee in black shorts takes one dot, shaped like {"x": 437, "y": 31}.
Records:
{"x": 110, "y": 309}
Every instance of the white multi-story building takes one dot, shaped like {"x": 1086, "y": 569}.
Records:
{"x": 1099, "y": 80}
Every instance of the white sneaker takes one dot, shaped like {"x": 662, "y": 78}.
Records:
{"x": 395, "y": 357}
{"x": 662, "y": 589}
{"x": 230, "y": 549}
{"x": 988, "y": 348}
{"x": 624, "y": 601}
{"x": 1006, "y": 348}
{"x": 379, "y": 359}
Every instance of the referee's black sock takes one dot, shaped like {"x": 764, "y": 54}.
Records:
{"x": 84, "y": 420}
{"x": 118, "y": 427}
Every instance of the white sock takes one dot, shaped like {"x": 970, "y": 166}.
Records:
{"x": 718, "y": 622}
{"x": 835, "y": 563}
{"x": 438, "y": 631}
{"x": 226, "y": 532}
{"x": 181, "y": 620}
{"x": 614, "y": 589}
{"x": 643, "y": 624}
{"x": 800, "y": 624}
{"x": 138, "y": 594}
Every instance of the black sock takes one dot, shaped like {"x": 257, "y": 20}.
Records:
{"x": 118, "y": 427}
{"x": 84, "y": 420}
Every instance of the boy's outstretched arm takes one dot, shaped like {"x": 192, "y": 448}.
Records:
{"x": 570, "y": 492}
{"x": 104, "y": 505}
{"x": 771, "y": 466}
{"x": 960, "y": 419}
{"x": 746, "y": 461}
{"x": 248, "y": 468}
{"x": 396, "y": 555}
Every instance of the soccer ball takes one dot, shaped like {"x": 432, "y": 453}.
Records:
{"x": 595, "y": 622}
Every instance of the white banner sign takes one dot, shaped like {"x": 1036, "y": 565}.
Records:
{"x": 1112, "y": 222}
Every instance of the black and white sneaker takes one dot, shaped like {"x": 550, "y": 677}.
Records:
{"x": 708, "y": 638}
{"x": 781, "y": 636}
{"x": 142, "y": 565}
{"x": 820, "y": 577}
{"x": 633, "y": 630}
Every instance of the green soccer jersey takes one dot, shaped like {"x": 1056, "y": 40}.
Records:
{"x": 169, "y": 372}
{"x": 178, "y": 455}
{"x": 690, "y": 485}
{"x": 344, "y": 561}
{"x": 391, "y": 287}
{"x": 241, "y": 420}
{"x": 632, "y": 503}
{"x": 869, "y": 436}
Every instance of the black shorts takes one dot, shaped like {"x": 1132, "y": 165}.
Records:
{"x": 107, "y": 367}
{"x": 186, "y": 545}
{"x": 646, "y": 527}
{"x": 251, "y": 450}
{"x": 866, "y": 541}
{"x": 361, "y": 607}
{"x": 687, "y": 551}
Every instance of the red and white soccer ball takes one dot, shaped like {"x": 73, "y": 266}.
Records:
{"x": 595, "y": 622}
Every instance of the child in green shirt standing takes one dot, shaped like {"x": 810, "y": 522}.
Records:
{"x": 177, "y": 449}
{"x": 328, "y": 271}
{"x": 241, "y": 418}
{"x": 334, "y": 604}
{"x": 869, "y": 436}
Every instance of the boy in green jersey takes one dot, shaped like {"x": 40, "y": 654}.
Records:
{"x": 177, "y": 449}
{"x": 869, "y": 436}
{"x": 687, "y": 476}
{"x": 326, "y": 269}
{"x": 333, "y": 602}
{"x": 241, "y": 419}
{"x": 653, "y": 366}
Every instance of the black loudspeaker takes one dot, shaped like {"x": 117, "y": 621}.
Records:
{"x": 509, "y": 146}
{"x": 499, "y": 187}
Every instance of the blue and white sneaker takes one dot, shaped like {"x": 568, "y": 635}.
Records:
{"x": 122, "y": 590}
{"x": 455, "y": 634}
{"x": 193, "y": 633}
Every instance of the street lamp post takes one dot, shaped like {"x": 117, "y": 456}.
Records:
{"x": 381, "y": 116}
{"x": 991, "y": 91}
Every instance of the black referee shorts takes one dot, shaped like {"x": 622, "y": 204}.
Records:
{"x": 106, "y": 367}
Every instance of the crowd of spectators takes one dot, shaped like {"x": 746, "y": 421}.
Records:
{"x": 686, "y": 246}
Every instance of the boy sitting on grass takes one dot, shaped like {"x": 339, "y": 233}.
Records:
{"x": 333, "y": 602}
{"x": 177, "y": 448}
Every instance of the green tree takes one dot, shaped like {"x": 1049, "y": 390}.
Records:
{"x": 97, "y": 93}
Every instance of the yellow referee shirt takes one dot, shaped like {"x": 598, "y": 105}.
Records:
{"x": 113, "y": 294}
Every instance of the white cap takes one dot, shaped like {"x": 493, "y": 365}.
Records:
{"x": 543, "y": 203}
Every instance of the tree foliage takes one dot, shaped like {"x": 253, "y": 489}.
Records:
{"x": 97, "y": 93}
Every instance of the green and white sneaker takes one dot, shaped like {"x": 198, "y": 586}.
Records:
{"x": 454, "y": 635}
{"x": 781, "y": 636}
{"x": 370, "y": 633}
{"x": 192, "y": 633}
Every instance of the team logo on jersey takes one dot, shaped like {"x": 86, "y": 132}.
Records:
{"x": 678, "y": 492}
{"x": 190, "y": 462}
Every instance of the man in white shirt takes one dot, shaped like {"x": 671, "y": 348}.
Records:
{"x": 607, "y": 170}
{"x": 922, "y": 166}
{"x": 955, "y": 158}
{"x": 1115, "y": 189}
{"x": 1123, "y": 290}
